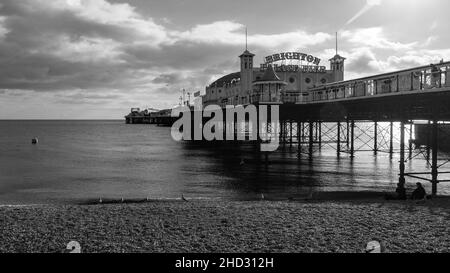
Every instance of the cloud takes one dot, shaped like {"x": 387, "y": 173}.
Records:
{"x": 434, "y": 25}
{"x": 232, "y": 33}
{"x": 105, "y": 53}
{"x": 417, "y": 58}
{"x": 368, "y": 6}
{"x": 363, "y": 60}
{"x": 83, "y": 49}
{"x": 3, "y": 29}
{"x": 374, "y": 37}
{"x": 169, "y": 78}
{"x": 83, "y": 97}
{"x": 430, "y": 40}
{"x": 81, "y": 45}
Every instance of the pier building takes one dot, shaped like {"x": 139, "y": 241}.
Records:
{"x": 295, "y": 72}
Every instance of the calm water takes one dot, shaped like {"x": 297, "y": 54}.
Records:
{"x": 80, "y": 160}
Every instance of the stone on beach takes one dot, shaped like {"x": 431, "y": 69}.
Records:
{"x": 250, "y": 226}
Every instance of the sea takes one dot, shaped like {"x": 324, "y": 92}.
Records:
{"x": 77, "y": 161}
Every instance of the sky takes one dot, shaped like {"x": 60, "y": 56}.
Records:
{"x": 96, "y": 59}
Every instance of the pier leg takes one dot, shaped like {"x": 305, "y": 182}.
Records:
{"x": 266, "y": 154}
{"x": 348, "y": 134}
{"x": 299, "y": 143}
{"x": 303, "y": 131}
{"x": 224, "y": 125}
{"x": 290, "y": 133}
{"x": 352, "y": 139}
{"x": 410, "y": 147}
{"x": 311, "y": 138}
{"x": 402, "y": 155}
{"x": 338, "y": 148}
{"x": 235, "y": 129}
{"x": 434, "y": 158}
{"x": 320, "y": 134}
{"x": 285, "y": 133}
{"x": 391, "y": 139}
{"x": 428, "y": 142}
{"x": 316, "y": 131}
{"x": 375, "y": 138}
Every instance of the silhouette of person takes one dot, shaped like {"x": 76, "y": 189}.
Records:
{"x": 419, "y": 193}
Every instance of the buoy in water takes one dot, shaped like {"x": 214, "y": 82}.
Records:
{"x": 34, "y": 140}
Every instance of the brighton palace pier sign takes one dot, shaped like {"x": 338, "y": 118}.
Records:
{"x": 315, "y": 68}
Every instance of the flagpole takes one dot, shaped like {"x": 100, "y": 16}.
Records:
{"x": 336, "y": 43}
{"x": 246, "y": 42}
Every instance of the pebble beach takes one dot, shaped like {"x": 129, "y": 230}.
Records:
{"x": 229, "y": 226}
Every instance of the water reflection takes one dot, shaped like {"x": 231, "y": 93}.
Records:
{"x": 81, "y": 160}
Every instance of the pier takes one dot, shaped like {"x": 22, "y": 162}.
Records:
{"x": 334, "y": 115}
{"x": 160, "y": 118}
{"x": 361, "y": 115}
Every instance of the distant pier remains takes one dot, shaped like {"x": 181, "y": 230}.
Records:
{"x": 158, "y": 117}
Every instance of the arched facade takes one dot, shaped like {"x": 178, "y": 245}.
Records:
{"x": 241, "y": 88}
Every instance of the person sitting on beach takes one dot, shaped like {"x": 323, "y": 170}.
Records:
{"x": 419, "y": 193}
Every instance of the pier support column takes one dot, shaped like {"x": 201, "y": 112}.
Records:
{"x": 401, "y": 180}
{"x": 311, "y": 138}
{"x": 410, "y": 142}
{"x": 266, "y": 154}
{"x": 375, "y": 138}
{"x": 338, "y": 147}
{"x": 434, "y": 158}
{"x": 290, "y": 134}
{"x": 352, "y": 139}
{"x": 299, "y": 138}
{"x": 320, "y": 134}
{"x": 391, "y": 139}
{"x": 428, "y": 142}
{"x": 402, "y": 154}
{"x": 303, "y": 131}
{"x": 285, "y": 133}
{"x": 348, "y": 134}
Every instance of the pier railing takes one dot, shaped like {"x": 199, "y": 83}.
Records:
{"x": 425, "y": 78}
{"x": 416, "y": 79}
